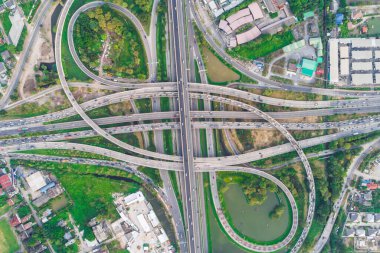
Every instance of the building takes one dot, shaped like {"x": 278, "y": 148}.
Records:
{"x": 5, "y": 181}
{"x": 10, "y": 4}
{"x": 223, "y": 25}
{"x": 309, "y": 14}
{"x": 247, "y": 36}
{"x": 339, "y": 18}
{"x": 308, "y": 67}
{"x": 144, "y": 224}
{"x": 292, "y": 67}
{"x": 3, "y": 69}
{"x": 36, "y": 181}
{"x": 351, "y": 61}
{"x": 16, "y": 28}
{"x": 294, "y": 46}
{"x": 274, "y": 5}
{"x": 372, "y": 186}
{"x": 369, "y": 218}
{"x": 360, "y": 232}
{"x": 5, "y": 55}
{"x": 348, "y": 232}
{"x": 353, "y": 217}
{"x": 15, "y": 221}
{"x": 350, "y": 26}
{"x": 317, "y": 44}
{"x": 256, "y": 11}
{"x": 356, "y": 14}
{"x": 133, "y": 198}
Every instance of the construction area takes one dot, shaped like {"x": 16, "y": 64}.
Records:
{"x": 354, "y": 61}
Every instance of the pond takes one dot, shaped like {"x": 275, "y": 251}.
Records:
{"x": 254, "y": 221}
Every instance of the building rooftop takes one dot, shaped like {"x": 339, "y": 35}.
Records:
{"x": 308, "y": 67}
{"x": 294, "y": 46}
{"x": 240, "y": 22}
{"x": 240, "y": 14}
{"x": 308, "y": 14}
{"x": 17, "y": 27}
{"x": 339, "y": 18}
{"x": 36, "y": 181}
{"x": 5, "y": 181}
{"x": 248, "y": 35}
{"x": 256, "y": 11}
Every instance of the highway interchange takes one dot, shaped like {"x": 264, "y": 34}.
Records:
{"x": 186, "y": 121}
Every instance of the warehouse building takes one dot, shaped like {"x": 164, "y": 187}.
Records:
{"x": 354, "y": 61}
{"x": 308, "y": 67}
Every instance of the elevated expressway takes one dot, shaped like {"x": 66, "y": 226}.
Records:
{"x": 186, "y": 91}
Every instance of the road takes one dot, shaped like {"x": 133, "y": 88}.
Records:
{"x": 190, "y": 202}
{"x": 14, "y": 81}
{"x": 183, "y": 90}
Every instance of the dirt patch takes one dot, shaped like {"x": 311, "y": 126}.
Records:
{"x": 30, "y": 86}
{"x": 140, "y": 138}
{"x": 278, "y": 66}
{"x": 83, "y": 94}
{"x": 45, "y": 49}
{"x": 311, "y": 119}
{"x": 59, "y": 203}
{"x": 266, "y": 138}
{"x": 216, "y": 70}
{"x": 122, "y": 108}
{"x": 58, "y": 99}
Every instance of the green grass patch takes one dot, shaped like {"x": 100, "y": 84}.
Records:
{"x": 8, "y": 242}
{"x": 5, "y": 21}
{"x": 66, "y": 153}
{"x": 262, "y": 46}
{"x": 153, "y": 174}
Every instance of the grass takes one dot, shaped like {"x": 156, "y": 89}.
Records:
{"x": 5, "y": 21}
{"x": 203, "y": 141}
{"x": 168, "y": 142}
{"x": 8, "y": 242}
{"x": 65, "y": 153}
{"x": 165, "y": 104}
{"x": 144, "y": 105}
{"x": 262, "y": 46}
{"x": 27, "y": 8}
{"x": 161, "y": 42}
{"x": 153, "y": 174}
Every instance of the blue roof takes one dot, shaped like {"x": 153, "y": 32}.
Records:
{"x": 339, "y": 18}
{"x": 47, "y": 187}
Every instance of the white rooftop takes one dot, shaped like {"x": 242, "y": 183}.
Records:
{"x": 17, "y": 27}
{"x": 358, "y": 79}
{"x": 248, "y": 35}
{"x": 343, "y": 50}
{"x": 36, "y": 181}
{"x": 153, "y": 218}
{"x": 134, "y": 197}
{"x": 256, "y": 10}
{"x": 344, "y": 67}
{"x": 361, "y": 65}
{"x": 144, "y": 224}
{"x": 240, "y": 22}
{"x": 239, "y": 14}
{"x": 361, "y": 55}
